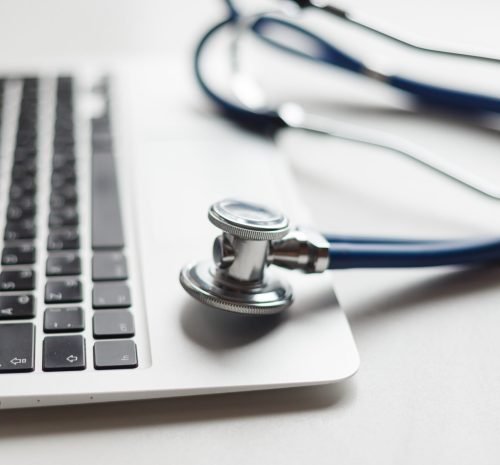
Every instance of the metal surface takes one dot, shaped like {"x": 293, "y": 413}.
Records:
{"x": 300, "y": 249}
{"x": 206, "y": 284}
{"x": 239, "y": 279}
{"x": 248, "y": 220}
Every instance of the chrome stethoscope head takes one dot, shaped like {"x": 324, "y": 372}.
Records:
{"x": 239, "y": 279}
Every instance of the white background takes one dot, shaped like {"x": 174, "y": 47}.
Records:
{"x": 427, "y": 391}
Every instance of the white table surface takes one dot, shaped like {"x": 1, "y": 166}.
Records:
{"x": 429, "y": 383}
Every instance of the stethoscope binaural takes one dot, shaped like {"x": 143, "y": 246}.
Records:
{"x": 240, "y": 278}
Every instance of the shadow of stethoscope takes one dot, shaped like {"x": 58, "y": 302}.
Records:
{"x": 216, "y": 330}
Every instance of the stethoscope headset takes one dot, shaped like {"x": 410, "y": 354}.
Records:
{"x": 239, "y": 277}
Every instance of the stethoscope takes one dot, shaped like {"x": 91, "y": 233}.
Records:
{"x": 240, "y": 278}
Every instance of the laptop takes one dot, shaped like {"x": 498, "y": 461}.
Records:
{"x": 105, "y": 181}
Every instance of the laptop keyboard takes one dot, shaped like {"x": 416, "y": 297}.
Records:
{"x": 60, "y": 293}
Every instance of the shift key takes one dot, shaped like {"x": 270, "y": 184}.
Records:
{"x": 17, "y": 342}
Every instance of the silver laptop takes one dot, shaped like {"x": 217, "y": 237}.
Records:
{"x": 105, "y": 180}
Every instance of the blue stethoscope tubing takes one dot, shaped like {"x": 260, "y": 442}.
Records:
{"x": 357, "y": 251}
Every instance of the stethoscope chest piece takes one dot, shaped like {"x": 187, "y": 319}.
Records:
{"x": 238, "y": 279}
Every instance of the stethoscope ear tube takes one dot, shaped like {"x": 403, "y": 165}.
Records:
{"x": 260, "y": 121}
{"x": 322, "y": 51}
{"x": 267, "y": 119}
{"x": 344, "y": 255}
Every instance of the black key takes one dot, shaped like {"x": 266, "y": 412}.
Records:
{"x": 61, "y": 161}
{"x": 111, "y": 295}
{"x": 17, "y": 212}
{"x": 63, "y": 264}
{"x": 13, "y": 307}
{"x": 17, "y": 192}
{"x": 27, "y": 203}
{"x": 62, "y": 353}
{"x": 109, "y": 266}
{"x": 27, "y": 184}
{"x": 64, "y": 175}
{"x": 107, "y": 231}
{"x": 115, "y": 354}
{"x": 17, "y": 342}
{"x": 21, "y": 170}
{"x": 65, "y": 217}
{"x": 23, "y": 254}
{"x": 68, "y": 191}
{"x": 60, "y": 201}
{"x": 22, "y": 154}
{"x": 60, "y": 178}
{"x": 26, "y": 139}
{"x": 63, "y": 320}
{"x": 113, "y": 323}
{"x": 63, "y": 291}
{"x": 64, "y": 145}
{"x": 17, "y": 280}
{"x": 20, "y": 230}
{"x": 63, "y": 239}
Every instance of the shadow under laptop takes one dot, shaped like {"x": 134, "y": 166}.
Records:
{"x": 149, "y": 413}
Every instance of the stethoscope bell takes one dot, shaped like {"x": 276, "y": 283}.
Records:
{"x": 239, "y": 279}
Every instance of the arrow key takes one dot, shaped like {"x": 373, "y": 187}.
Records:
{"x": 63, "y": 353}
{"x": 63, "y": 320}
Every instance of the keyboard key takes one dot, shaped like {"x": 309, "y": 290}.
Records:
{"x": 26, "y": 184}
{"x": 17, "y": 342}
{"x": 22, "y": 155}
{"x": 27, "y": 202}
{"x": 111, "y": 295}
{"x": 25, "y": 229}
{"x": 16, "y": 192}
{"x": 63, "y": 320}
{"x": 63, "y": 291}
{"x": 13, "y": 307}
{"x": 17, "y": 280}
{"x": 63, "y": 353}
{"x": 62, "y": 177}
{"x": 109, "y": 266}
{"x": 63, "y": 239}
{"x": 23, "y": 169}
{"x": 23, "y": 254}
{"x": 64, "y": 217}
{"x": 68, "y": 191}
{"x": 107, "y": 231}
{"x": 61, "y": 161}
{"x": 113, "y": 323}
{"x": 63, "y": 264}
{"x": 115, "y": 354}
{"x": 16, "y": 212}
{"x": 58, "y": 201}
